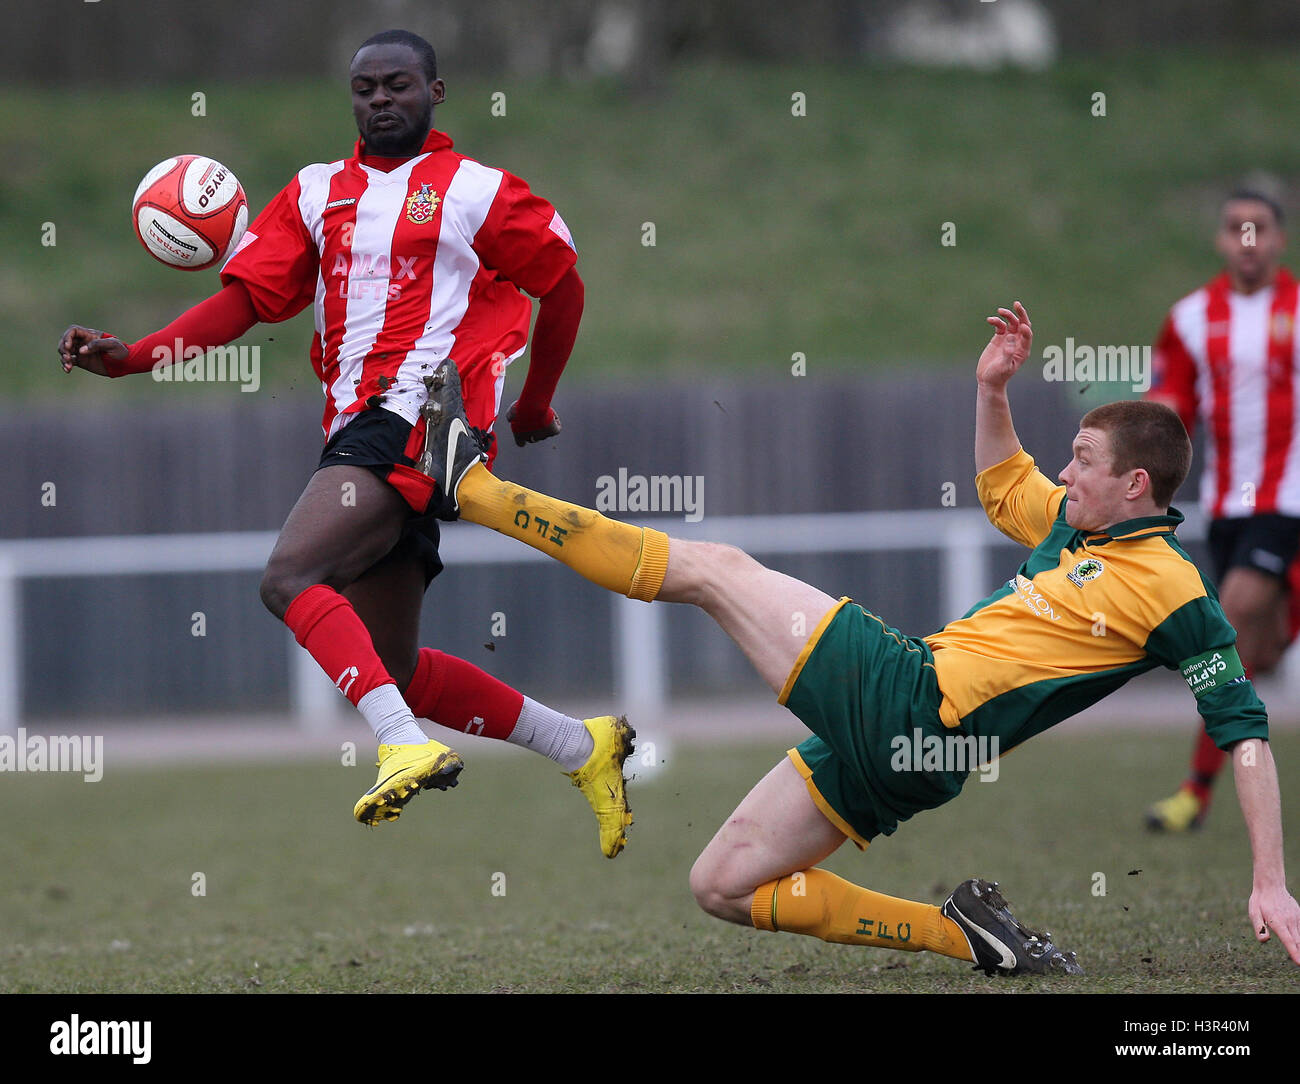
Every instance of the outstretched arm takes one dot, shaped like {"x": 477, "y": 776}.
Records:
{"x": 220, "y": 319}
{"x": 558, "y": 315}
{"x": 1271, "y": 906}
{"x": 995, "y": 435}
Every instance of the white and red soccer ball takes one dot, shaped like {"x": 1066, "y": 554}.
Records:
{"x": 189, "y": 212}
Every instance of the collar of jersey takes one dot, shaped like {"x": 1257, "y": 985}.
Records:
{"x": 434, "y": 141}
{"x": 1131, "y": 530}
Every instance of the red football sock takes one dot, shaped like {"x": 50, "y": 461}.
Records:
{"x": 457, "y": 694}
{"x": 325, "y": 623}
{"x": 1207, "y": 761}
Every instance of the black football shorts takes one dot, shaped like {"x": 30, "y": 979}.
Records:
{"x": 1267, "y": 543}
{"x": 389, "y": 445}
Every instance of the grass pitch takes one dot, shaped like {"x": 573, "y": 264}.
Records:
{"x": 499, "y": 885}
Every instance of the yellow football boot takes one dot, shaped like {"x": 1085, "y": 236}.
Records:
{"x": 404, "y": 770}
{"x": 1177, "y": 813}
{"x": 601, "y": 779}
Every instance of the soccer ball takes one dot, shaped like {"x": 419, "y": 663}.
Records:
{"x": 189, "y": 212}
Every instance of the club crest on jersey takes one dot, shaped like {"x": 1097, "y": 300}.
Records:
{"x": 422, "y": 205}
{"x": 1085, "y": 571}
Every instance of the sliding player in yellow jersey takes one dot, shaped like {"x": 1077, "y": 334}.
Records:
{"x": 1105, "y": 594}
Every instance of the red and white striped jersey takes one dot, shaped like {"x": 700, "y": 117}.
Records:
{"x": 405, "y": 268}
{"x": 1231, "y": 360}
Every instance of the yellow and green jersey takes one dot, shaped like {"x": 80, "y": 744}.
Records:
{"x": 1087, "y": 611}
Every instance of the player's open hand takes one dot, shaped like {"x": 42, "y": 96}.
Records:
{"x": 86, "y": 348}
{"x": 1276, "y": 910}
{"x": 1008, "y": 349}
{"x": 528, "y": 427}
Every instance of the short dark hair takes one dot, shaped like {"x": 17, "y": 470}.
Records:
{"x": 1147, "y": 435}
{"x": 1259, "y": 197}
{"x": 422, "y": 49}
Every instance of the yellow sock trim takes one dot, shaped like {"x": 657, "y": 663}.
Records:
{"x": 760, "y": 910}
{"x": 653, "y": 566}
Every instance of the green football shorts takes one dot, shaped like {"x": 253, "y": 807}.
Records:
{"x": 871, "y": 698}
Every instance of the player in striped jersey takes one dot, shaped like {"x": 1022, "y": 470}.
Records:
{"x": 1227, "y": 355}
{"x": 408, "y": 253}
{"x": 1031, "y": 654}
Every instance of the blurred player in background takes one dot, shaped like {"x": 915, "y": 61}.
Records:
{"x": 1227, "y": 354}
{"x": 1020, "y": 661}
{"x": 410, "y": 253}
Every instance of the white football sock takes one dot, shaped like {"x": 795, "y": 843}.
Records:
{"x": 561, "y": 738}
{"x": 390, "y": 717}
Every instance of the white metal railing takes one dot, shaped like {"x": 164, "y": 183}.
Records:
{"x": 962, "y": 536}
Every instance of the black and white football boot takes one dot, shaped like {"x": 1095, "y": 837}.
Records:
{"x": 1000, "y": 944}
{"x": 451, "y": 446}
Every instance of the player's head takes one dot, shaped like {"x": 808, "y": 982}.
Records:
{"x": 1250, "y": 238}
{"x": 1129, "y": 460}
{"x": 395, "y": 85}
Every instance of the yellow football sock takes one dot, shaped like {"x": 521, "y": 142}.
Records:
{"x": 617, "y": 556}
{"x": 822, "y": 905}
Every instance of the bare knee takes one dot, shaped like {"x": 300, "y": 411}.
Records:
{"x": 705, "y": 888}
{"x": 1265, "y": 654}
{"x": 699, "y": 572}
{"x": 284, "y": 580}
{"x": 1261, "y": 635}
{"x": 1256, "y": 605}
{"x": 279, "y": 587}
{"x": 717, "y": 893}
{"x": 288, "y": 577}
{"x": 726, "y": 561}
